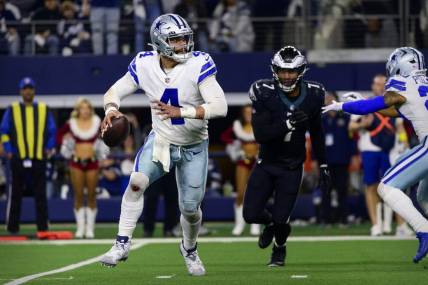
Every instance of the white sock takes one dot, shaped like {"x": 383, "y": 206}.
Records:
{"x": 401, "y": 204}
{"x": 130, "y": 212}
{"x": 191, "y": 230}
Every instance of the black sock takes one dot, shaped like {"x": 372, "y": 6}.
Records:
{"x": 282, "y": 231}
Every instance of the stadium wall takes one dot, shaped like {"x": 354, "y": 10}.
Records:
{"x": 83, "y": 75}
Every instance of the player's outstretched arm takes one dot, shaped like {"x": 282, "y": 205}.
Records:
{"x": 364, "y": 107}
{"x": 123, "y": 87}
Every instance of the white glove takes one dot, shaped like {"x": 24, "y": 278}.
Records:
{"x": 335, "y": 106}
{"x": 352, "y": 96}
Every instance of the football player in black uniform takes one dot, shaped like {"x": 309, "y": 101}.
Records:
{"x": 284, "y": 109}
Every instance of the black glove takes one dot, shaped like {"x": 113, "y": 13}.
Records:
{"x": 295, "y": 119}
{"x": 324, "y": 182}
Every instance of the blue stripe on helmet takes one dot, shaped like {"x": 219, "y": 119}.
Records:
{"x": 176, "y": 21}
{"x": 182, "y": 21}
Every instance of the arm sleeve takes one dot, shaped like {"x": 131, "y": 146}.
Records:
{"x": 364, "y": 107}
{"x": 5, "y": 129}
{"x": 215, "y": 105}
{"x": 264, "y": 128}
{"x": 317, "y": 137}
{"x": 51, "y": 132}
{"x": 123, "y": 87}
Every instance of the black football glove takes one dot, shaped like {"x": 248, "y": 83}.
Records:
{"x": 324, "y": 182}
{"x": 295, "y": 119}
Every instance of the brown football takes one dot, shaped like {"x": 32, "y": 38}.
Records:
{"x": 117, "y": 133}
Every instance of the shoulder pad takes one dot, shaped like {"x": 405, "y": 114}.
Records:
{"x": 396, "y": 84}
{"x": 315, "y": 88}
{"x": 262, "y": 89}
{"x": 205, "y": 65}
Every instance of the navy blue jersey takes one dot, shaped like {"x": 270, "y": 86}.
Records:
{"x": 270, "y": 108}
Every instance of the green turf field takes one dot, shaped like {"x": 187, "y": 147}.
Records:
{"x": 232, "y": 262}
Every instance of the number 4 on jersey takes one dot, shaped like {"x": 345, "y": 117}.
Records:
{"x": 171, "y": 95}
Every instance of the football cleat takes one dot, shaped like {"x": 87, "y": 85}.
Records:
{"x": 266, "y": 237}
{"x": 118, "y": 252}
{"x": 193, "y": 262}
{"x": 423, "y": 247}
{"x": 278, "y": 256}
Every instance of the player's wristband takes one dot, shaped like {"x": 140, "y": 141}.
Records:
{"x": 188, "y": 112}
{"x": 109, "y": 109}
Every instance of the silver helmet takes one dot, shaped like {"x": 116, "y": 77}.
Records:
{"x": 289, "y": 58}
{"x": 167, "y": 27}
{"x": 405, "y": 61}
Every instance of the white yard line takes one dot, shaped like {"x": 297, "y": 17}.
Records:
{"x": 137, "y": 243}
{"x": 204, "y": 239}
{"x": 73, "y": 266}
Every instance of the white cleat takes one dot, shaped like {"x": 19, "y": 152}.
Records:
{"x": 192, "y": 260}
{"x": 255, "y": 230}
{"x": 376, "y": 230}
{"x": 118, "y": 252}
{"x": 404, "y": 230}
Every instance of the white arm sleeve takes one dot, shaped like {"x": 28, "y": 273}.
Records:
{"x": 215, "y": 105}
{"x": 123, "y": 87}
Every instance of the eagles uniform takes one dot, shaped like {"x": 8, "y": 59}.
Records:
{"x": 282, "y": 152}
{"x": 270, "y": 106}
{"x": 284, "y": 109}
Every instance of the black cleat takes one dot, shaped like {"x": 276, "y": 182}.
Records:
{"x": 266, "y": 237}
{"x": 278, "y": 256}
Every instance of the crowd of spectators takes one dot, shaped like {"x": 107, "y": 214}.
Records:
{"x": 120, "y": 27}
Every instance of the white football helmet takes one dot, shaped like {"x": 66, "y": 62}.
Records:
{"x": 405, "y": 61}
{"x": 167, "y": 27}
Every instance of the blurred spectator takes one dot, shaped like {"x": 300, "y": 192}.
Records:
{"x": 3, "y": 174}
{"x": 339, "y": 149}
{"x": 105, "y": 18}
{"x": 214, "y": 180}
{"x": 140, "y": 17}
{"x": 329, "y": 33}
{"x": 111, "y": 177}
{"x": 193, "y": 11}
{"x": 28, "y": 135}
{"x": 272, "y": 31}
{"x": 74, "y": 37}
{"x": 231, "y": 29}
{"x": 82, "y": 147}
{"x": 45, "y": 39}
{"x": 377, "y": 138}
{"x": 243, "y": 150}
{"x": 26, "y": 7}
{"x": 10, "y": 41}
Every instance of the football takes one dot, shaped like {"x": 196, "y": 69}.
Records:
{"x": 117, "y": 133}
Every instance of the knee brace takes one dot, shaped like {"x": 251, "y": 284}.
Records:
{"x": 138, "y": 183}
{"x": 382, "y": 190}
{"x": 192, "y": 217}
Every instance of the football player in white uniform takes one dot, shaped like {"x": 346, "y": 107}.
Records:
{"x": 184, "y": 95}
{"x": 406, "y": 95}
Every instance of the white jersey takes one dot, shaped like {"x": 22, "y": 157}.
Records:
{"x": 415, "y": 89}
{"x": 178, "y": 87}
